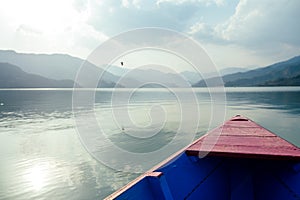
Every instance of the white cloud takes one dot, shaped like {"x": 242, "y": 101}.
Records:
{"x": 138, "y": 14}
{"x": 260, "y": 28}
{"x": 125, "y": 3}
{"x": 213, "y": 2}
{"x": 198, "y": 27}
{"x": 87, "y": 36}
{"x": 134, "y": 3}
{"x": 27, "y": 30}
{"x": 259, "y": 23}
{"x": 202, "y": 31}
{"x": 204, "y": 2}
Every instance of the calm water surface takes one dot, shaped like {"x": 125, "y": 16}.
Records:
{"x": 42, "y": 157}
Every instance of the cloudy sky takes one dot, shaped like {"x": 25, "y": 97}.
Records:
{"x": 235, "y": 33}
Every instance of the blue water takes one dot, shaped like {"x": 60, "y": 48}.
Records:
{"x": 42, "y": 156}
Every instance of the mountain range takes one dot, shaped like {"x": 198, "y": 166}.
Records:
{"x": 52, "y": 66}
{"x": 65, "y": 67}
{"x": 59, "y": 70}
{"x": 284, "y": 73}
{"x": 12, "y": 76}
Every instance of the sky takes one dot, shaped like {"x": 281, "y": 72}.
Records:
{"x": 234, "y": 33}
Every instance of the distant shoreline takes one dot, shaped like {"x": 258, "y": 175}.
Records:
{"x": 144, "y": 88}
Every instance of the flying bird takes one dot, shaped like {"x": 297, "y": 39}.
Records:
{"x": 122, "y": 63}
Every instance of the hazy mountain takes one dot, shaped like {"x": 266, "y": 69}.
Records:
{"x": 61, "y": 66}
{"x": 54, "y": 66}
{"x": 194, "y": 77}
{"x": 262, "y": 76}
{"x": 117, "y": 71}
{"x": 138, "y": 77}
{"x": 142, "y": 75}
{"x": 232, "y": 70}
{"x": 12, "y": 76}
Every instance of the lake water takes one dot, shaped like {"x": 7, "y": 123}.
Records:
{"x": 42, "y": 156}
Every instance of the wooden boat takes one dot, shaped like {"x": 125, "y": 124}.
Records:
{"x": 246, "y": 162}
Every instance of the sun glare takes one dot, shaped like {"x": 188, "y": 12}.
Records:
{"x": 44, "y": 16}
{"x": 36, "y": 177}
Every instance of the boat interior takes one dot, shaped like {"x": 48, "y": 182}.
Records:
{"x": 191, "y": 177}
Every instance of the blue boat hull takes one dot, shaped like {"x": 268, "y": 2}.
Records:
{"x": 190, "y": 177}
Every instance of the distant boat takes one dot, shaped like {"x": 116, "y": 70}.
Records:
{"x": 247, "y": 162}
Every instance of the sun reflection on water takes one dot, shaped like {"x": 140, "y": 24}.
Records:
{"x": 36, "y": 176}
